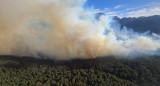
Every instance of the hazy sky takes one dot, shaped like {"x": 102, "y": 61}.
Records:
{"x": 129, "y": 8}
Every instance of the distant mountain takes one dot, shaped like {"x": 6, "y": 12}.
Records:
{"x": 99, "y": 14}
{"x": 141, "y": 24}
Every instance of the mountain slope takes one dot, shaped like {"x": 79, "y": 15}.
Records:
{"x": 141, "y": 24}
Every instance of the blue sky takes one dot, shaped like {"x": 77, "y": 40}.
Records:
{"x": 126, "y": 8}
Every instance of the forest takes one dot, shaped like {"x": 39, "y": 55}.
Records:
{"x": 101, "y": 71}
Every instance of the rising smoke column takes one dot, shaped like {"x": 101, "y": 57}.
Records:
{"x": 64, "y": 29}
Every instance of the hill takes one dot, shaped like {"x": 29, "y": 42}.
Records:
{"x": 104, "y": 71}
{"x": 141, "y": 24}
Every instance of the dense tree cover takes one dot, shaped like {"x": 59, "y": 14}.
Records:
{"x": 106, "y": 71}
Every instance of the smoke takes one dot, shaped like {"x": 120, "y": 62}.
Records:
{"x": 64, "y": 29}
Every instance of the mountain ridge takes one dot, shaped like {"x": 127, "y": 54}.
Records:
{"x": 141, "y": 24}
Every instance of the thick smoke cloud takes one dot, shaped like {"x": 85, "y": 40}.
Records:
{"x": 65, "y": 30}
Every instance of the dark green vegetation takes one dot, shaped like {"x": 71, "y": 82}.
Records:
{"x": 108, "y": 71}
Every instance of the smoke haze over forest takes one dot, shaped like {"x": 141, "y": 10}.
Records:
{"x": 65, "y": 30}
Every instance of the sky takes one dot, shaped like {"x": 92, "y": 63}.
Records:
{"x": 126, "y": 8}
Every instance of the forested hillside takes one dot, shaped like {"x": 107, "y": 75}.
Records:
{"x": 141, "y": 24}
{"x": 104, "y": 71}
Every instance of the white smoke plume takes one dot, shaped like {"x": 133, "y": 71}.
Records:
{"x": 65, "y": 29}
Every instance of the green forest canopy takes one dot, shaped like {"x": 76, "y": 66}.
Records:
{"x": 104, "y": 71}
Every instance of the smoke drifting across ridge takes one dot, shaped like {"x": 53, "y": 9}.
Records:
{"x": 64, "y": 29}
